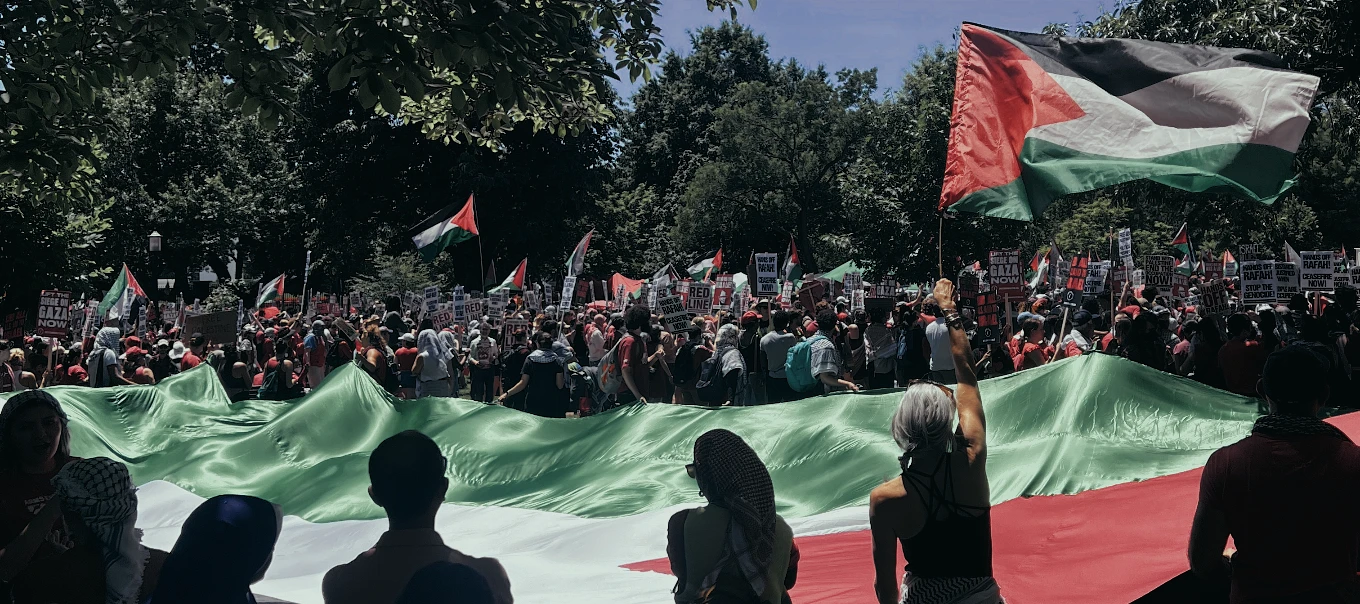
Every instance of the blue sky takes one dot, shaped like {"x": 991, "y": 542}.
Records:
{"x": 887, "y": 34}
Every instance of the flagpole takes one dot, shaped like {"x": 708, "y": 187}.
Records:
{"x": 939, "y": 246}
{"x": 481, "y": 260}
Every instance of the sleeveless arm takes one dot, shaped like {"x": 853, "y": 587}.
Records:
{"x": 885, "y": 554}
{"x": 972, "y": 421}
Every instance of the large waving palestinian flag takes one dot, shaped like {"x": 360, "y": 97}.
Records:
{"x": 1037, "y": 117}
{"x": 447, "y": 227}
{"x": 576, "y": 509}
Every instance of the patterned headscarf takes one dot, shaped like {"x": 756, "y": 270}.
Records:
{"x": 100, "y": 491}
{"x": 107, "y": 338}
{"x": 733, "y": 478}
{"x": 25, "y": 399}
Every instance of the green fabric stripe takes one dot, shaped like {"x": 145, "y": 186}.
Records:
{"x": 452, "y": 236}
{"x": 1049, "y": 171}
{"x": 1071, "y": 426}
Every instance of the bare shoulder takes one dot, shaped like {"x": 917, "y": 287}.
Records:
{"x": 886, "y": 493}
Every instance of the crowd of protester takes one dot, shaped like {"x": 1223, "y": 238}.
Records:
{"x": 66, "y": 524}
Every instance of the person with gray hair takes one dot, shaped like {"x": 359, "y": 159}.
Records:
{"x": 939, "y": 508}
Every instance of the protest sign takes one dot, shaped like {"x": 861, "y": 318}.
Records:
{"x": 857, "y": 300}
{"x": 1213, "y": 267}
{"x": 651, "y": 296}
{"x": 681, "y": 288}
{"x": 1158, "y": 271}
{"x": 1258, "y": 282}
{"x": 496, "y": 308}
{"x": 970, "y": 283}
{"x": 474, "y": 309}
{"x": 1003, "y": 271}
{"x": 1126, "y": 247}
{"x": 1341, "y": 274}
{"x": 723, "y": 290}
{"x": 1138, "y": 278}
{"x": 988, "y": 318}
{"x": 1315, "y": 270}
{"x": 441, "y": 319}
{"x": 216, "y": 327}
{"x": 1180, "y": 286}
{"x": 854, "y": 281}
{"x": 54, "y": 313}
{"x": 767, "y": 274}
{"x": 786, "y": 296}
{"x": 1286, "y": 281}
{"x": 568, "y": 290}
{"x": 673, "y": 313}
{"x": 1076, "y": 281}
{"x": 1095, "y": 276}
{"x": 460, "y": 314}
{"x": 811, "y": 293}
{"x": 1213, "y": 299}
{"x": 742, "y": 302}
{"x": 1058, "y": 273}
{"x": 1355, "y": 276}
{"x": 1253, "y": 251}
{"x": 886, "y": 288}
{"x": 700, "y": 299}
{"x": 14, "y": 324}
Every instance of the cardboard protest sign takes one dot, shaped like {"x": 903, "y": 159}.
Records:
{"x": 1315, "y": 270}
{"x": 1158, "y": 271}
{"x": 1258, "y": 282}
{"x": 811, "y": 293}
{"x": 495, "y": 313}
{"x": 216, "y": 327}
{"x": 767, "y": 274}
{"x": 1126, "y": 247}
{"x": 700, "y": 298}
{"x": 474, "y": 309}
{"x": 54, "y": 313}
{"x": 722, "y": 296}
{"x": 786, "y": 296}
{"x": 1095, "y": 276}
{"x": 1213, "y": 299}
{"x": 1003, "y": 271}
{"x": 673, "y": 313}
{"x": 1253, "y": 251}
{"x": 988, "y": 318}
{"x": 431, "y": 299}
{"x": 14, "y": 324}
{"x": 1286, "y": 281}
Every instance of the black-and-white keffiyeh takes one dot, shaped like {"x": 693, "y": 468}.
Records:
{"x": 1295, "y": 425}
{"x": 101, "y": 492}
{"x": 734, "y": 478}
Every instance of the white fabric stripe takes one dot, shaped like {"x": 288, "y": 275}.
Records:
{"x": 1240, "y": 105}
{"x": 430, "y": 235}
{"x": 551, "y": 558}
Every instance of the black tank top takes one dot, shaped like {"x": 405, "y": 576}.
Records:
{"x": 954, "y": 542}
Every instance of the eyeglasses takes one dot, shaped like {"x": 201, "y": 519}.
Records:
{"x": 690, "y": 469}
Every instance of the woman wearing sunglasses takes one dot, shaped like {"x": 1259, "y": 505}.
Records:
{"x": 939, "y": 508}
{"x": 735, "y": 550}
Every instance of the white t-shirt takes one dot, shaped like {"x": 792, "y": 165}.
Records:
{"x": 485, "y": 351}
{"x": 941, "y": 353}
{"x": 595, "y": 344}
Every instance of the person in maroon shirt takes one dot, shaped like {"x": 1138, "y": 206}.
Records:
{"x": 1286, "y": 495}
{"x": 1242, "y": 357}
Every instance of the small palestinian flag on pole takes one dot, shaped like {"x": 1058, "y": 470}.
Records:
{"x": 1038, "y": 266}
{"x": 490, "y": 274}
{"x": 1229, "y": 264}
{"x": 515, "y": 282}
{"x": 1037, "y": 117}
{"x": 577, "y": 262}
{"x": 119, "y": 299}
{"x": 702, "y": 270}
{"x": 793, "y": 268}
{"x": 1182, "y": 243}
{"x": 444, "y": 229}
{"x": 271, "y": 291}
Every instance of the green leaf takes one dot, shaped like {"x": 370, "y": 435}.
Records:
{"x": 367, "y": 98}
{"x": 391, "y": 99}
{"x": 505, "y": 86}
{"x": 414, "y": 87}
{"x": 339, "y": 75}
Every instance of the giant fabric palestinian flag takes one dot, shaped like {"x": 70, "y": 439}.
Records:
{"x": 1037, "y": 117}
{"x": 576, "y": 509}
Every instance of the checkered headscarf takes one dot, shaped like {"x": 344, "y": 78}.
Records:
{"x": 100, "y": 491}
{"x": 733, "y": 478}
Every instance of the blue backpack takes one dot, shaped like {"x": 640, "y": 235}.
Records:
{"x": 798, "y": 366}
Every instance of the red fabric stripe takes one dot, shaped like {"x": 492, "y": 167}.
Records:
{"x": 466, "y": 218}
{"x": 1110, "y": 545}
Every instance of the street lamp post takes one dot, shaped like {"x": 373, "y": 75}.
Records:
{"x": 153, "y": 243}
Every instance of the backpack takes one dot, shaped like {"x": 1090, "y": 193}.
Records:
{"x": 798, "y": 367}
{"x": 683, "y": 371}
{"x": 611, "y": 370}
{"x": 711, "y": 387}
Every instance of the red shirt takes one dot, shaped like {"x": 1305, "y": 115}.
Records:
{"x": 406, "y": 358}
{"x": 1241, "y": 362}
{"x": 1105, "y": 341}
{"x": 1290, "y": 508}
{"x": 632, "y": 350}
{"x": 189, "y": 361}
{"x": 316, "y": 357}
